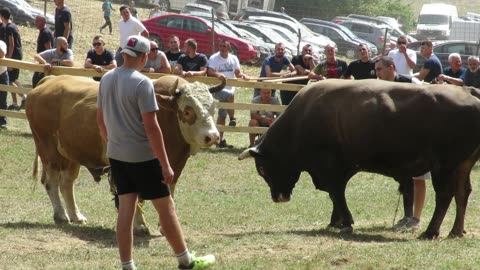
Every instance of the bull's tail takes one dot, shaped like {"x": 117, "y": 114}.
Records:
{"x": 35, "y": 170}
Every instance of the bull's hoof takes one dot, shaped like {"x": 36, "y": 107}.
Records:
{"x": 61, "y": 219}
{"x": 454, "y": 234}
{"x": 79, "y": 219}
{"x": 142, "y": 230}
{"x": 345, "y": 230}
{"x": 429, "y": 235}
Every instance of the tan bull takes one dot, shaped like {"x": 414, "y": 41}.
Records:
{"x": 61, "y": 112}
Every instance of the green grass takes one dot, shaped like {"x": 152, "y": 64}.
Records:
{"x": 225, "y": 209}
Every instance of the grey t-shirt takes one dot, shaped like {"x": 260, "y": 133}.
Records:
{"x": 124, "y": 95}
{"x": 273, "y": 101}
{"x": 51, "y": 54}
{"x": 156, "y": 63}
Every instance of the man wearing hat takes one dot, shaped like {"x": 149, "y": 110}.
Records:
{"x": 127, "y": 120}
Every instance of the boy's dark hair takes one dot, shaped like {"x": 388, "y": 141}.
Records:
{"x": 5, "y": 12}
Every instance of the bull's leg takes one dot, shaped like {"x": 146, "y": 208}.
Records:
{"x": 341, "y": 216}
{"x": 68, "y": 177}
{"x": 444, "y": 187}
{"x": 463, "y": 190}
{"x": 50, "y": 180}
{"x": 140, "y": 227}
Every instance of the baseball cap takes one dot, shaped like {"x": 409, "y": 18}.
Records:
{"x": 136, "y": 45}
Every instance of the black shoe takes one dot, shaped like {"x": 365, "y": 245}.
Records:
{"x": 22, "y": 105}
{"x": 13, "y": 107}
{"x": 222, "y": 144}
{"x": 233, "y": 122}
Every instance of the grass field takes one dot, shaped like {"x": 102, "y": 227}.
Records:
{"x": 225, "y": 209}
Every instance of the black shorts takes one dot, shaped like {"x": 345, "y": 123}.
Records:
{"x": 13, "y": 74}
{"x": 144, "y": 178}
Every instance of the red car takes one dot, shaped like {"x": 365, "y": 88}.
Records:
{"x": 184, "y": 26}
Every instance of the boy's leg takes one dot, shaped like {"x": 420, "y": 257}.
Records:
{"x": 169, "y": 222}
{"x": 419, "y": 191}
{"x": 126, "y": 210}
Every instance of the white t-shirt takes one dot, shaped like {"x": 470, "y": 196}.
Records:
{"x": 129, "y": 28}
{"x": 226, "y": 66}
{"x": 3, "y": 48}
{"x": 401, "y": 63}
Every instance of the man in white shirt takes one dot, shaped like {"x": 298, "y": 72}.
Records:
{"x": 224, "y": 64}
{"x": 128, "y": 26}
{"x": 404, "y": 59}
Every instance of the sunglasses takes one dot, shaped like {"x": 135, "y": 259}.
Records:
{"x": 97, "y": 44}
{"x": 153, "y": 49}
{"x": 401, "y": 42}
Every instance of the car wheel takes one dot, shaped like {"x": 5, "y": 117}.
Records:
{"x": 158, "y": 40}
{"x": 164, "y": 5}
{"x": 350, "y": 53}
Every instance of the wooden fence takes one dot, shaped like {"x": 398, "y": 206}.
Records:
{"x": 273, "y": 83}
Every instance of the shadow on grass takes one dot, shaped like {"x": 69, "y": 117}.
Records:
{"x": 93, "y": 234}
{"x": 15, "y": 132}
{"x": 234, "y": 151}
{"x": 371, "y": 234}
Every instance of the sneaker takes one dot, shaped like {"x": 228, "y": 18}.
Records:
{"x": 4, "y": 126}
{"x": 402, "y": 223}
{"x": 233, "y": 122}
{"x": 22, "y": 105}
{"x": 199, "y": 263}
{"x": 222, "y": 144}
{"x": 413, "y": 223}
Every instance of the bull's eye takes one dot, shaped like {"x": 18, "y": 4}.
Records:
{"x": 186, "y": 113}
{"x": 261, "y": 171}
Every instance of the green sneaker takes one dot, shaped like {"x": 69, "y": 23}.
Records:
{"x": 199, "y": 263}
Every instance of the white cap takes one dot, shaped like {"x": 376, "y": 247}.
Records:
{"x": 136, "y": 45}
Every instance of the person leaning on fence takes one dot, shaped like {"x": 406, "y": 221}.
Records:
{"x": 4, "y": 81}
{"x": 262, "y": 118}
{"x": 156, "y": 61}
{"x": 223, "y": 64}
{"x": 452, "y": 74}
{"x": 173, "y": 52}
{"x": 330, "y": 68}
{"x": 107, "y": 9}
{"x": 44, "y": 42}
{"x": 413, "y": 196}
{"x": 273, "y": 65}
{"x": 128, "y": 26}
{"x": 432, "y": 66}
{"x": 14, "y": 51}
{"x": 191, "y": 63}
{"x": 60, "y": 56}
{"x": 303, "y": 63}
{"x": 471, "y": 77}
{"x": 363, "y": 68}
{"x": 99, "y": 58}
{"x": 127, "y": 120}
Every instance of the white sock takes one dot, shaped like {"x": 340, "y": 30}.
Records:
{"x": 185, "y": 258}
{"x": 130, "y": 265}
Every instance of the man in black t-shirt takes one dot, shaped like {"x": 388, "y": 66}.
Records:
{"x": 303, "y": 63}
{"x": 63, "y": 22}
{"x": 99, "y": 58}
{"x": 363, "y": 68}
{"x": 191, "y": 63}
{"x": 44, "y": 42}
{"x": 173, "y": 52}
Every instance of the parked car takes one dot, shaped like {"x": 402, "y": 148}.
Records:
{"x": 443, "y": 49}
{"x": 392, "y": 26}
{"x": 220, "y": 7}
{"x": 198, "y": 10}
{"x": 306, "y": 35}
{"x": 185, "y": 26}
{"x": 371, "y": 32}
{"x": 346, "y": 45}
{"x": 23, "y": 13}
{"x": 245, "y": 13}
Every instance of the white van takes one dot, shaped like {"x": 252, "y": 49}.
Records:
{"x": 435, "y": 21}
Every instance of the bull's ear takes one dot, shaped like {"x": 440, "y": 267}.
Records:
{"x": 167, "y": 103}
{"x": 173, "y": 88}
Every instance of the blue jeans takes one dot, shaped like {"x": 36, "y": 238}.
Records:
{"x": 3, "y": 97}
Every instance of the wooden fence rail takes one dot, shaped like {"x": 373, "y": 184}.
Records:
{"x": 75, "y": 71}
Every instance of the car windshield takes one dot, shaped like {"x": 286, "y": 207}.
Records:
{"x": 433, "y": 19}
{"x": 223, "y": 29}
{"x": 347, "y": 31}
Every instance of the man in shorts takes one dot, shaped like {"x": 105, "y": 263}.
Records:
{"x": 127, "y": 120}
{"x": 226, "y": 65}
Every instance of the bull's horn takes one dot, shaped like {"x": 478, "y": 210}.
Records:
{"x": 245, "y": 154}
{"x": 218, "y": 87}
{"x": 173, "y": 89}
